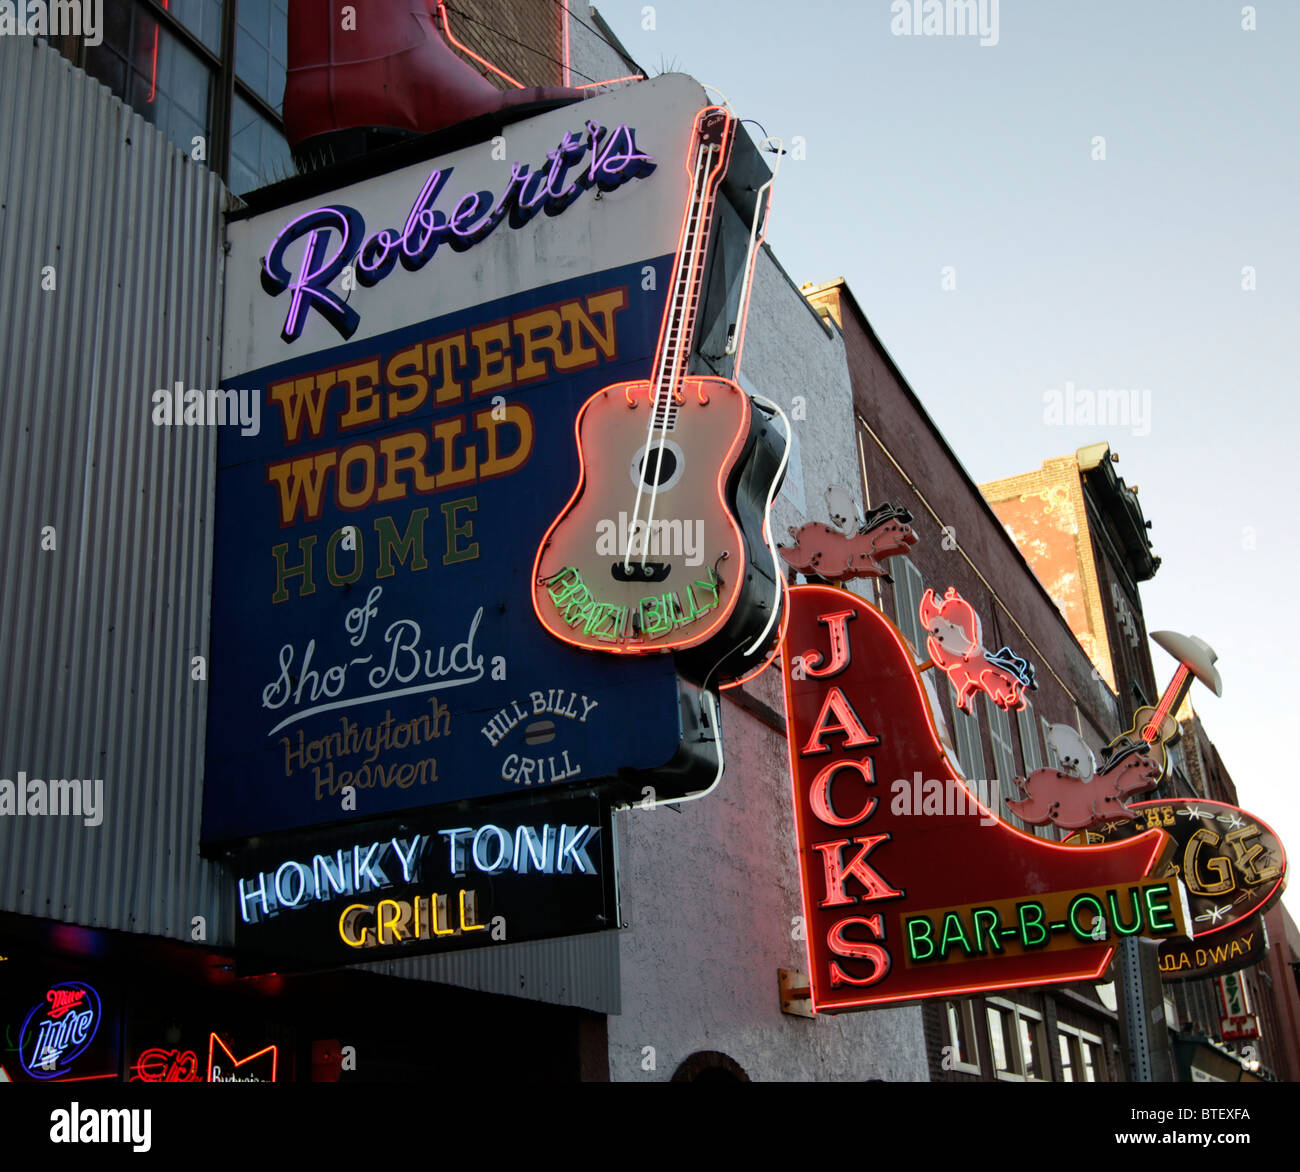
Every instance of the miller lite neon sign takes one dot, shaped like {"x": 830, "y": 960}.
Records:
{"x": 59, "y": 1030}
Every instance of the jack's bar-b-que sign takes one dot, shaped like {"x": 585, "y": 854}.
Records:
{"x": 1233, "y": 867}
{"x": 902, "y": 906}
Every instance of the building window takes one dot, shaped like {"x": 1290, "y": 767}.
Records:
{"x": 1067, "y": 1058}
{"x": 258, "y": 151}
{"x": 1081, "y": 1056}
{"x": 151, "y": 70}
{"x": 1032, "y": 751}
{"x": 262, "y": 49}
{"x": 1004, "y": 757}
{"x": 1029, "y": 745}
{"x": 204, "y": 18}
{"x": 710, "y": 1066}
{"x": 164, "y": 59}
{"x": 1019, "y": 1042}
{"x": 964, "y": 1051}
{"x": 908, "y": 589}
{"x": 970, "y": 751}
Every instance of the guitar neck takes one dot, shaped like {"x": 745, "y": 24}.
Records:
{"x": 706, "y": 164}
{"x": 1172, "y": 697}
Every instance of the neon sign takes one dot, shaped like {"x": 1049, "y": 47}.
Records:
{"x": 345, "y": 872}
{"x": 899, "y": 907}
{"x": 226, "y": 1073}
{"x": 614, "y": 160}
{"x": 839, "y": 556}
{"x": 65, "y": 1025}
{"x": 395, "y": 921}
{"x": 650, "y": 616}
{"x": 1078, "y": 794}
{"x": 1233, "y": 864}
{"x": 1214, "y": 952}
{"x": 955, "y": 644}
{"x": 1151, "y": 908}
{"x": 166, "y": 1066}
{"x": 539, "y": 868}
{"x": 559, "y": 849}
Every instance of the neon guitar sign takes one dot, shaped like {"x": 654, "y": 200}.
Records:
{"x": 679, "y": 449}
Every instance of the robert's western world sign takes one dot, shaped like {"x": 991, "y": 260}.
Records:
{"x": 373, "y": 645}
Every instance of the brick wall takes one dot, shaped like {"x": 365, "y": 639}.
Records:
{"x": 521, "y": 37}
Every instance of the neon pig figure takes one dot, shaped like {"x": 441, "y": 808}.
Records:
{"x": 615, "y": 160}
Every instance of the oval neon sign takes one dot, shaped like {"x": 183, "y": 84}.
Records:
{"x": 62, "y": 1029}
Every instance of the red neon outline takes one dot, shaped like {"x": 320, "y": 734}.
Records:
{"x": 1158, "y": 847}
{"x": 446, "y": 29}
{"x": 153, "y": 85}
{"x": 566, "y": 75}
{"x": 1260, "y": 908}
{"x": 977, "y": 679}
{"x": 1166, "y": 703}
{"x": 66, "y": 1006}
{"x": 722, "y": 614}
{"x": 82, "y": 1078}
{"x": 212, "y": 1037}
{"x": 136, "y": 1076}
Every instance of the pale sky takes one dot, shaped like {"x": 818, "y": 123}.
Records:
{"x": 930, "y": 152}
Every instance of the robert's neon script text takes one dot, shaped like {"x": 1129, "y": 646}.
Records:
{"x": 336, "y": 234}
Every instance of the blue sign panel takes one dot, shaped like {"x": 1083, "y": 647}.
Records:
{"x": 374, "y": 647}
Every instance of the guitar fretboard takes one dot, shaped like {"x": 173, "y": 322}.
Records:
{"x": 678, "y": 328}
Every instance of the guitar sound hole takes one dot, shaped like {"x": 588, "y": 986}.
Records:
{"x": 648, "y": 474}
{"x": 635, "y": 572}
{"x": 650, "y": 464}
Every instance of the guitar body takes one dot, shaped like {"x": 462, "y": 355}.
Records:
{"x": 1164, "y": 729}
{"x": 606, "y": 579}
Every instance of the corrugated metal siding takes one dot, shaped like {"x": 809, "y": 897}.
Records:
{"x": 579, "y": 970}
{"x": 96, "y": 636}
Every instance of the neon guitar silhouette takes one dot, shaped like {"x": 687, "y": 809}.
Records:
{"x": 674, "y": 453}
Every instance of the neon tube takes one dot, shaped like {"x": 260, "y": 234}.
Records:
{"x": 446, "y": 28}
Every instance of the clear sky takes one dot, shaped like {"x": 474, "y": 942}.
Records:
{"x": 928, "y": 152}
